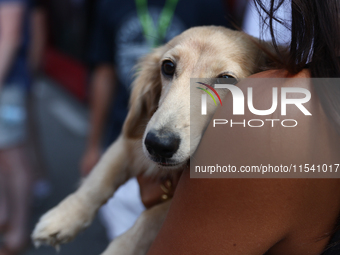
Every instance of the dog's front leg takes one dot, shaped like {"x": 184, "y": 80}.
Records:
{"x": 62, "y": 223}
{"x": 138, "y": 239}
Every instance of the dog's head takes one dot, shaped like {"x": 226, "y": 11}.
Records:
{"x": 159, "y": 106}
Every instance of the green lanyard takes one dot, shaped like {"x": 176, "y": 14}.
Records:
{"x": 152, "y": 34}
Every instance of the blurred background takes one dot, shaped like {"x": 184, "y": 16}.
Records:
{"x": 59, "y": 61}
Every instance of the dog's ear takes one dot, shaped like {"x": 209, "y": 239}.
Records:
{"x": 145, "y": 94}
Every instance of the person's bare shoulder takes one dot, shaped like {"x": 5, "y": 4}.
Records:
{"x": 277, "y": 140}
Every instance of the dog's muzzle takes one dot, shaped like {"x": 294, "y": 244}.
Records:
{"x": 162, "y": 145}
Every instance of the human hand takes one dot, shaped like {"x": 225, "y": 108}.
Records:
{"x": 155, "y": 190}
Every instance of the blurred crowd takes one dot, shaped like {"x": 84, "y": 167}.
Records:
{"x": 90, "y": 48}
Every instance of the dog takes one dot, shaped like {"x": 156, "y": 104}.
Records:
{"x": 156, "y": 135}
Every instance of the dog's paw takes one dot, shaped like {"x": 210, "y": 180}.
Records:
{"x": 62, "y": 223}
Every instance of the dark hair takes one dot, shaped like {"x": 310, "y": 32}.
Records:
{"x": 315, "y": 38}
{"x": 315, "y": 35}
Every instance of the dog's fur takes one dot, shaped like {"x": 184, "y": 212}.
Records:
{"x": 157, "y": 103}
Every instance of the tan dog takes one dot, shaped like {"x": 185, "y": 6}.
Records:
{"x": 156, "y": 133}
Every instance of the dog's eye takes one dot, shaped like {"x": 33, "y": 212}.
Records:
{"x": 168, "y": 68}
{"x": 226, "y": 76}
{"x": 232, "y": 79}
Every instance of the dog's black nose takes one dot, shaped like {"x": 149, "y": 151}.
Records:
{"x": 162, "y": 143}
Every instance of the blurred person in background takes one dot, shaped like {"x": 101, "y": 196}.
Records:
{"x": 124, "y": 32}
{"x": 15, "y": 170}
{"x": 36, "y": 49}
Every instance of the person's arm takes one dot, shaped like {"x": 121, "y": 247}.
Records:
{"x": 256, "y": 216}
{"x": 102, "y": 84}
{"x": 38, "y": 39}
{"x": 11, "y": 17}
{"x": 102, "y": 89}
